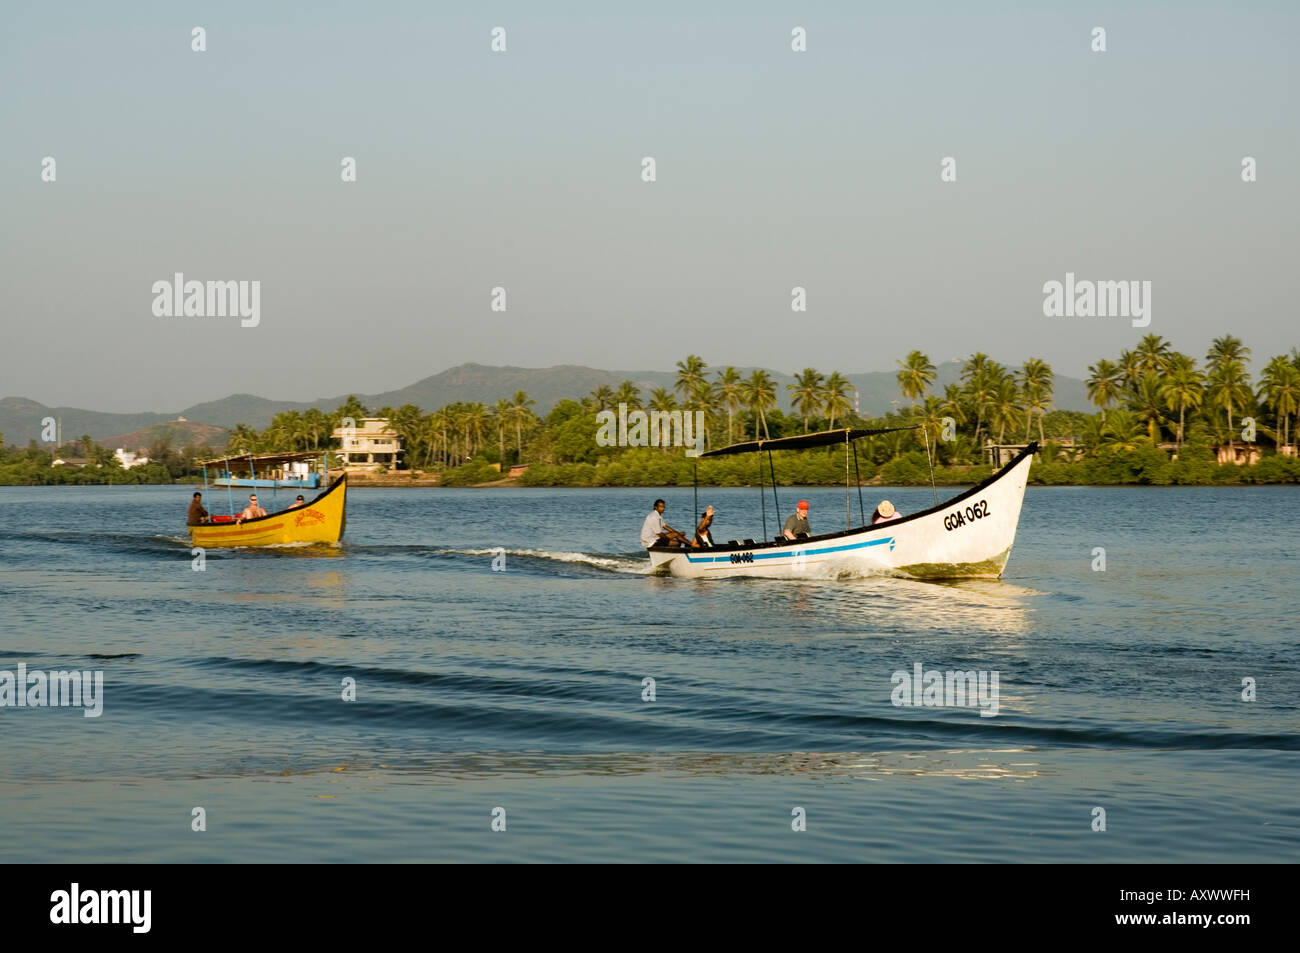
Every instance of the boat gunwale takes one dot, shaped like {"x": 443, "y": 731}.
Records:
{"x": 1031, "y": 449}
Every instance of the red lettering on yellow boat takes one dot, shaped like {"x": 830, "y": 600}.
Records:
{"x": 309, "y": 518}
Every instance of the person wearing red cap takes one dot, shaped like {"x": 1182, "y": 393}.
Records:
{"x": 797, "y": 525}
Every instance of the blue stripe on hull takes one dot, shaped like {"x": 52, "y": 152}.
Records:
{"x": 788, "y": 553}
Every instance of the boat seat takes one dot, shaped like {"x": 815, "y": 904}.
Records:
{"x": 733, "y": 542}
{"x": 749, "y": 542}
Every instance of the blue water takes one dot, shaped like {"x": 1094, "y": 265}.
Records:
{"x": 523, "y": 689}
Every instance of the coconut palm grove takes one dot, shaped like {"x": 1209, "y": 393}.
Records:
{"x": 1163, "y": 417}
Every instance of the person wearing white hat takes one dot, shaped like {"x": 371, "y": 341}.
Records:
{"x": 884, "y": 513}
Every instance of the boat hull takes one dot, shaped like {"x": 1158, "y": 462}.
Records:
{"x": 320, "y": 521}
{"x": 967, "y": 537}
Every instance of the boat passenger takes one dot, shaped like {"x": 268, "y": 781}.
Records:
{"x": 297, "y": 503}
{"x": 797, "y": 524}
{"x": 884, "y": 513}
{"x": 654, "y": 530}
{"x": 252, "y": 510}
{"x": 197, "y": 515}
{"x": 703, "y": 538}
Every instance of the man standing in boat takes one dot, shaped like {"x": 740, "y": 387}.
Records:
{"x": 655, "y": 530}
{"x": 797, "y": 525}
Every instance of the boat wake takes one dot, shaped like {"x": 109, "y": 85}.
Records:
{"x": 605, "y": 562}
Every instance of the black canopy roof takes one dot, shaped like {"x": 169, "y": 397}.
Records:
{"x": 804, "y": 441}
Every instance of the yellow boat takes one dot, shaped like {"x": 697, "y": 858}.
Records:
{"x": 319, "y": 520}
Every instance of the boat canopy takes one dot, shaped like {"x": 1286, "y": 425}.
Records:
{"x": 262, "y": 461}
{"x": 804, "y": 441}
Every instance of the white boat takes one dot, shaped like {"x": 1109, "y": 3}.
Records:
{"x": 966, "y": 537}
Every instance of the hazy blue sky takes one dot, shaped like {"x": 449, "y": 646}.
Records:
{"x": 522, "y": 169}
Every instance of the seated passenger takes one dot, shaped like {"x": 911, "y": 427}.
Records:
{"x": 703, "y": 537}
{"x": 252, "y": 510}
{"x": 298, "y": 502}
{"x": 884, "y": 513}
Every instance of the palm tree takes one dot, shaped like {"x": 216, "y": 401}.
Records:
{"x": 352, "y": 407}
{"x": 690, "y": 374}
{"x": 409, "y": 427}
{"x": 602, "y": 397}
{"x": 242, "y": 439}
{"x": 1225, "y": 350}
{"x": 806, "y": 393}
{"x": 759, "y": 395}
{"x": 1148, "y": 404}
{"x": 1121, "y": 433}
{"x": 916, "y": 375}
{"x": 662, "y": 399}
{"x": 1183, "y": 389}
{"x": 629, "y": 394}
{"x": 1036, "y": 384}
{"x": 930, "y": 416}
{"x": 835, "y": 398}
{"x": 954, "y": 404}
{"x": 728, "y": 388}
{"x": 500, "y": 413}
{"x": 982, "y": 381}
{"x": 1279, "y": 388}
{"x": 1153, "y": 355}
{"x": 1229, "y": 387}
{"x": 1130, "y": 368}
{"x": 317, "y": 426}
{"x": 519, "y": 410}
{"x": 1005, "y": 405}
{"x": 1104, "y": 384}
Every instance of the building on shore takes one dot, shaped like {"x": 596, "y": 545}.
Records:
{"x": 129, "y": 459}
{"x": 371, "y": 447}
{"x": 1239, "y": 454}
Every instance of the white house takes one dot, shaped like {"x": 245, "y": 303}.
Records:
{"x": 129, "y": 459}
{"x": 372, "y": 445}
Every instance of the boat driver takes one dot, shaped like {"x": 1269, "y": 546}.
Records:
{"x": 797, "y": 524}
{"x": 197, "y": 515}
{"x": 654, "y": 530}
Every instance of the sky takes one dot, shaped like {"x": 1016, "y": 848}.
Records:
{"x": 522, "y": 170}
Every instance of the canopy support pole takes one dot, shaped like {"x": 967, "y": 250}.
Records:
{"x": 695, "y": 487}
{"x": 775, "y": 502}
{"x": 862, "y": 513}
{"x": 925, "y": 434}
{"x": 847, "y": 517}
{"x": 230, "y": 489}
{"x": 762, "y": 493}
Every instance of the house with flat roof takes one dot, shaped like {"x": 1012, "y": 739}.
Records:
{"x": 370, "y": 447}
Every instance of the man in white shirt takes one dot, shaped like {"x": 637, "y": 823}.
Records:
{"x": 654, "y": 529}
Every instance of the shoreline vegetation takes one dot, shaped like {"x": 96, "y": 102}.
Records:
{"x": 1163, "y": 419}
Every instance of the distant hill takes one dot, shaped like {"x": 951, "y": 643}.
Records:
{"x": 180, "y": 433}
{"x": 20, "y": 419}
